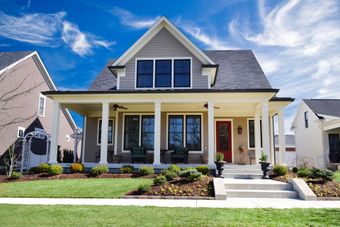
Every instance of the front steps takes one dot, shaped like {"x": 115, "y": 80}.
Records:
{"x": 242, "y": 171}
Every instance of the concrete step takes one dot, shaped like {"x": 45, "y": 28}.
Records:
{"x": 234, "y": 166}
{"x": 256, "y": 184}
{"x": 236, "y": 193}
{"x": 257, "y": 171}
{"x": 241, "y": 175}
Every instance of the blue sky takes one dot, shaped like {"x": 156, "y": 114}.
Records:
{"x": 296, "y": 42}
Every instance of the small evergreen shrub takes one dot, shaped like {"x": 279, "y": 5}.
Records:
{"x": 99, "y": 169}
{"x": 159, "y": 180}
{"x": 168, "y": 174}
{"x": 143, "y": 188}
{"x": 146, "y": 170}
{"x": 77, "y": 168}
{"x": 126, "y": 169}
{"x": 189, "y": 168}
{"x": 34, "y": 170}
{"x": 203, "y": 169}
{"x": 174, "y": 168}
{"x": 304, "y": 172}
{"x": 295, "y": 169}
{"x": 43, "y": 168}
{"x": 280, "y": 170}
{"x": 324, "y": 174}
{"x": 55, "y": 170}
{"x": 15, "y": 175}
{"x": 191, "y": 175}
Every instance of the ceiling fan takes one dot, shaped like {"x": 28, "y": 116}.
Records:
{"x": 206, "y": 106}
{"x": 116, "y": 106}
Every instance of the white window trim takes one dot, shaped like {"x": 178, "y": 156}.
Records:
{"x": 184, "y": 130}
{"x": 248, "y": 141}
{"x": 113, "y": 132}
{"x": 140, "y": 130}
{"x": 44, "y": 97}
{"x": 21, "y": 129}
{"x": 232, "y": 135}
{"x": 172, "y": 73}
{"x": 67, "y": 138}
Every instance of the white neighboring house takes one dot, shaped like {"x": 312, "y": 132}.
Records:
{"x": 317, "y": 129}
{"x": 290, "y": 150}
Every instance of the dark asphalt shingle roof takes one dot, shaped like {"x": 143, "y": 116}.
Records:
{"x": 330, "y": 107}
{"x": 8, "y": 58}
{"x": 105, "y": 79}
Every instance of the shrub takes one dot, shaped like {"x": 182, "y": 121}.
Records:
{"x": 203, "y": 169}
{"x": 304, "y": 172}
{"x": 169, "y": 175}
{"x": 34, "y": 169}
{"x": 219, "y": 157}
{"x": 174, "y": 168}
{"x": 146, "y": 170}
{"x": 99, "y": 169}
{"x": 295, "y": 169}
{"x": 126, "y": 169}
{"x": 324, "y": 174}
{"x": 188, "y": 168}
{"x": 43, "y": 168}
{"x": 191, "y": 175}
{"x": 55, "y": 170}
{"x": 77, "y": 168}
{"x": 15, "y": 175}
{"x": 280, "y": 170}
{"x": 263, "y": 157}
{"x": 143, "y": 188}
{"x": 159, "y": 180}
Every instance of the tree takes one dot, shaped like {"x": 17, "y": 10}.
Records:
{"x": 12, "y": 159}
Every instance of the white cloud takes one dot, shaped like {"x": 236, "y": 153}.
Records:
{"x": 129, "y": 19}
{"x": 49, "y": 30}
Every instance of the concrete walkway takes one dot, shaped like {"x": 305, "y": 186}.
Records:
{"x": 229, "y": 203}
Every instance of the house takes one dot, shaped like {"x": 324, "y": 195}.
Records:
{"x": 24, "y": 109}
{"x": 164, "y": 94}
{"x": 290, "y": 149}
{"x": 317, "y": 127}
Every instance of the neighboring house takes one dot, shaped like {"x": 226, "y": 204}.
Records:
{"x": 290, "y": 149}
{"x": 317, "y": 128}
{"x": 165, "y": 93}
{"x": 24, "y": 109}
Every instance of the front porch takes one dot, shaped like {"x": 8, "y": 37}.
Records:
{"x": 240, "y": 125}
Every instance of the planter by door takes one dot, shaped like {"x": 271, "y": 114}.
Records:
{"x": 223, "y": 139}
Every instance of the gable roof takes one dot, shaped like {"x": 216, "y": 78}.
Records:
{"x": 9, "y": 58}
{"x": 327, "y": 107}
{"x": 105, "y": 80}
{"x": 238, "y": 69}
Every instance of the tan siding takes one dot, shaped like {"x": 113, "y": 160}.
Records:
{"x": 240, "y": 139}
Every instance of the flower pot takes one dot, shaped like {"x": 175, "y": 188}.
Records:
{"x": 265, "y": 169}
{"x": 219, "y": 168}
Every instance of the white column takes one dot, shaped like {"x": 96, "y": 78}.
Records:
{"x": 115, "y": 149}
{"x": 157, "y": 135}
{"x": 83, "y": 148}
{"x": 104, "y": 135}
{"x": 211, "y": 133}
{"x": 55, "y": 133}
{"x": 257, "y": 129}
{"x": 265, "y": 129}
{"x": 282, "y": 138}
{"x": 272, "y": 142}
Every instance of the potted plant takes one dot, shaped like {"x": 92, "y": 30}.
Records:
{"x": 219, "y": 164}
{"x": 264, "y": 165}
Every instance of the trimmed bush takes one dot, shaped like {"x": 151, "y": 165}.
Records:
{"x": 55, "y": 170}
{"x": 34, "y": 170}
{"x": 324, "y": 174}
{"x": 43, "y": 168}
{"x": 295, "y": 169}
{"x": 99, "y": 169}
{"x": 159, "y": 180}
{"x": 15, "y": 175}
{"x": 203, "y": 169}
{"x": 146, "y": 170}
{"x": 280, "y": 170}
{"x": 77, "y": 168}
{"x": 304, "y": 172}
{"x": 174, "y": 168}
{"x": 191, "y": 175}
{"x": 169, "y": 175}
{"x": 126, "y": 169}
{"x": 143, "y": 188}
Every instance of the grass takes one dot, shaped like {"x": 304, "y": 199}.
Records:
{"x": 337, "y": 176}
{"x": 61, "y": 215}
{"x": 72, "y": 188}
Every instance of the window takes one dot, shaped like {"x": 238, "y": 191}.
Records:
{"x": 21, "y": 132}
{"x": 182, "y": 73}
{"x": 131, "y": 131}
{"x": 193, "y": 132}
{"x": 163, "y": 73}
{"x": 145, "y": 73}
{"x": 41, "y": 106}
{"x": 306, "y": 119}
{"x": 176, "y": 129}
{"x": 39, "y": 133}
{"x": 251, "y": 133}
{"x": 109, "y": 132}
{"x": 148, "y": 126}
{"x": 67, "y": 138}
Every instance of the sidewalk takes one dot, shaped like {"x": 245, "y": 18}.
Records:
{"x": 229, "y": 203}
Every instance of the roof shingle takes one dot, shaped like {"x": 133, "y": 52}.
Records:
{"x": 330, "y": 107}
{"x": 8, "y": 58}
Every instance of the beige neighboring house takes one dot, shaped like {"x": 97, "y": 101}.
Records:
{"x": 317, "y": 131}
{"x": 23, "y": 108}
{"x": 164, "y": 94}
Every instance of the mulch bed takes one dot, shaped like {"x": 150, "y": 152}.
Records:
{"x": 283, "y": 178}
{"x": 32, "y": 177}
{"x": 180, "y": 187}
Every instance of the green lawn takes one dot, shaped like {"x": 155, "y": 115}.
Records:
{"x": 337, "y": 176}
{"x": 57, "y": 215}
{"x": 72, "y": 188}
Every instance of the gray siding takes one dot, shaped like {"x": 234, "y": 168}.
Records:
{"x": 163, "y": 45}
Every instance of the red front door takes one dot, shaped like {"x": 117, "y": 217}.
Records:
{"x": 223, "y": 139}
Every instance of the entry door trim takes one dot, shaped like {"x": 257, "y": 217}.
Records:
{"x": 232, "y": 136}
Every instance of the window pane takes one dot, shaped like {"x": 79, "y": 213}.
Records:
{"x": 175, "y": 132}
{"x": 193, "y": 132}
{"x": 252, "y": 133}
{"x": 131, "y": 132}
{"x": 182, "y": 73}
{"x": 163, "y": 73}
{"x": 148, "y": 126}
{"x": 109, "y": 132}
{"x": 144, "y": 73}
{"x": 41, "y": 105}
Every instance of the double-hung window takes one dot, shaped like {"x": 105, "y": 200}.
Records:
{"x": 251, "y": 133}
{"x": 144, "y": 73}
{"x": 182, "y": 73}
{"x": 176, "y": 131}
{"x": 163, "y": 73}
{"x": 109, "y": 132}
{"x": 193, "y": 132}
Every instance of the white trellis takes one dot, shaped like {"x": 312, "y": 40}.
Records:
{"x": 26, "y": 147}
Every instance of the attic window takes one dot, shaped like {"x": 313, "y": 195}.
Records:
{"x": 41, "y": 106}
{"x": 306, "y": 119}
{"x": 145, "y": 73}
